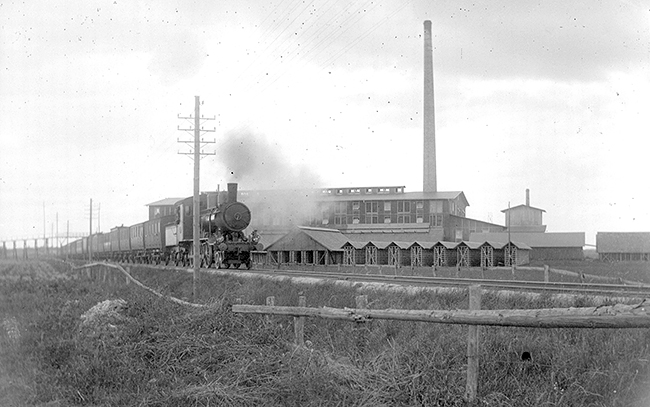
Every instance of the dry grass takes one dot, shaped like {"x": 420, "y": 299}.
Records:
{"x": 156, "y": 353}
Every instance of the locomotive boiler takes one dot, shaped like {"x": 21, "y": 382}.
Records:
{"x": 224, "y": 243}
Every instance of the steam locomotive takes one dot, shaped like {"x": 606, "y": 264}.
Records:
{"x": 167, "y": 238}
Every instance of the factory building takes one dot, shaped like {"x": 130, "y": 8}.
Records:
{"x": 618, "y": 246}
{"x": 524, "y": 223}
{"x": 383, "y": 213}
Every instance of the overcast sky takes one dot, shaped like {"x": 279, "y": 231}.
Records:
{"x": 552, "y": 96}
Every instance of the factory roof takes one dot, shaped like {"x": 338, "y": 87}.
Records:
{"x": 534, "y": 239}
{"x": 623, "y": 242}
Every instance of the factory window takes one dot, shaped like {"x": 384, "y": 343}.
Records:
{"x": 400, "y": 190}
{"x": 386, "y": 219}
{"x": 156, "y": 211}
{"x": 325, "y": 215}
{"x": 384, "y": 190}
{"x": 355, "y": 220}
{"x": 326, "y": 192}
{"x": 355, "y": 191}
{"x": 355, "y": 206}
{"x": 372, "y": 219}
{"x": 386, "y": 206}
{"x": 419, "y": 212}
{"x": 372, "y": 212}
{"x": 403, "y": 218}
{"x": 340, "y": 212}
{"x": 435, "y": 219}
{"x": 368, "y": 190}
{"x": 339, "y": 192}
{"x": 404, "y": 206}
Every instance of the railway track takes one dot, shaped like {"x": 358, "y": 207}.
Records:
{"x": 614, "y": 290}
{"x": 515, "y": 285}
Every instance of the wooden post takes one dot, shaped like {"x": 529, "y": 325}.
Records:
{"x": 299, "y": 323}
{"x": 270, "y": 301}
{"x": 473, "y": 346}
{"x": 360, "y": 326}
{"x": 547, "y": 270}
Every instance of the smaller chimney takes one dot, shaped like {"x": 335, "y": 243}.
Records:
{"x": 232, "y": 192}
{"x": 527, "y": 197}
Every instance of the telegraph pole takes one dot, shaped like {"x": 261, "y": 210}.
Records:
{"x": 90, "y": 235}
{"x": 197, "y": 129}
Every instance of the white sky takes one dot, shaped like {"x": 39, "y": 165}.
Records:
{"x": 554, "y": 97}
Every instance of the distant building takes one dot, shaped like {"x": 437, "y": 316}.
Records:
{"x": 620, "y": 246}
{"x": 524, "y": 224}
{"x": 382, "y": 213}
{"x": 524, "y": 218}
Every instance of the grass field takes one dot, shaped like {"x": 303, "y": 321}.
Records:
{"x": 156, "y": 353}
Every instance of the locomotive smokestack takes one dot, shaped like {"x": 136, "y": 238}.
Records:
{"x": 232, "y": 192}
{"x": 429, "y": 179}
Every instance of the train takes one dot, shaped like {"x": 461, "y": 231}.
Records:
{"x": 167, "y": 236}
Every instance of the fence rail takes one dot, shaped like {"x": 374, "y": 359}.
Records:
{"x": 617, "y": 316}
{"x": 614, "y": 316}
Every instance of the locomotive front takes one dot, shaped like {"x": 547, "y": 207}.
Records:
{"x": 224, "y": 227}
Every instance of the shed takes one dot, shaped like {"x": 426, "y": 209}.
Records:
{"x": 623, "y": 246}
{"x": 544, "y": 246}
{"x": 421, "y": 253}
{"x": 444, "y": 254}
{"x": 468, "y": 254}
{"x": 309, "y": 245}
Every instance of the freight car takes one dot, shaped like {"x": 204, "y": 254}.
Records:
{"x": 168, "y": 239}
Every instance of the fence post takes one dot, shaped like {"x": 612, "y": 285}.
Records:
{"x": 547, "y": 270}
{"x": 360, "y": 326}
{"x": 299, "y": 323}
{"x": 270, "y": 302}
{"x": 473, "y": 345}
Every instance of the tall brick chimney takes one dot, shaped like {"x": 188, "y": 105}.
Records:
{"x": 429, "y": 167}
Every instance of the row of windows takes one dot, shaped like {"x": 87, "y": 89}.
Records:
{"x": 387, "y": 206}
{"x": 371, "y": 218}
{"x": 153, "y": 229}
{"x": 357, "y": 191}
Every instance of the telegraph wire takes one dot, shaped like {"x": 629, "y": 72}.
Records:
{"x": 331, "y": 37}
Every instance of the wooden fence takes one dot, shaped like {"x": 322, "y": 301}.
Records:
{"x": 615, "y": 316}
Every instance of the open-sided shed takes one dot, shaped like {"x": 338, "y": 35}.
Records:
{"x": 444, "y": 254}
{"x": 468, "y": 254}
{"x": 308, "y": 245}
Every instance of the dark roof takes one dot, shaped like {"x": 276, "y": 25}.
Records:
{"x": 329, "y": 239}
{"x": 623, "y": 242}
{"x": 165, "y": 202}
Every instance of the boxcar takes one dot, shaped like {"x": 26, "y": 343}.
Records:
{"x": 136, "y": 233}
{"x": 154, "y": 237}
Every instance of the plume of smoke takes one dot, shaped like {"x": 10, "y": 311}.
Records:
{"x": 260, "y": 164}
{"x": 278, "y": 192}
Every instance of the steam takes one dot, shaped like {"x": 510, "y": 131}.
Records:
{"x": 278, "y": 192}
{"x": 260, "y": 164}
